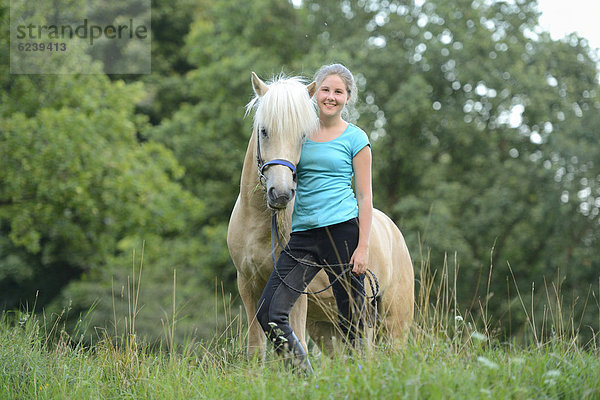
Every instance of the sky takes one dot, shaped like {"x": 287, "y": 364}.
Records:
{"x": 561, "y": 17}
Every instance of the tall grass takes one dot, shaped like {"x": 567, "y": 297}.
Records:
{"x": 448, "y": 354}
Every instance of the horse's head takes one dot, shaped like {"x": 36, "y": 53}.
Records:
{"x": 285, "y": 116}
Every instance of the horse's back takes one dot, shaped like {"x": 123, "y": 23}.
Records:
{"x": 387, "y": 248}
{"x": 390, "y": 260}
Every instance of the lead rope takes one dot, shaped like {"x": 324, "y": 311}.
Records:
{"x": 348, "y": 267}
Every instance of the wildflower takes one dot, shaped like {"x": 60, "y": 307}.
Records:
{"x": 517, "y": 360}
{"x": 458, "y": 318}
{"x": 550, "y": 382}
{"x": 478, "y": 336}
{"x": 551, "y": 376}
{"x": 553, "y": 373}
{"x": 487, "y": 363}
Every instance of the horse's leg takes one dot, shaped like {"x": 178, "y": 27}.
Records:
{"x": 298, "y": 320}
{"x": 256, "y": 337}
{"x": 396, "y": 310}
{"x": 396, "y": 301}
{"x": 323, "y": 333}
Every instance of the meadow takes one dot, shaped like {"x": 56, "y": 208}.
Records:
{"x": 445, "y": 356}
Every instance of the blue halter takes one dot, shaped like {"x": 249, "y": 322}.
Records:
{"x": 279, "y": 161}
{"x": 262, "y": 166}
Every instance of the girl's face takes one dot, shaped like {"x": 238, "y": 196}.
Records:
{"x": 332, "y": 96}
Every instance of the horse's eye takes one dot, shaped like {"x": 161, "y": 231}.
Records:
{"x": 263, "y": 132}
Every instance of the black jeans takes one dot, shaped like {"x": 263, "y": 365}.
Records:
{"x": 331, "y": 247}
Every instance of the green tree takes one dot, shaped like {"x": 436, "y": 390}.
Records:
{"x": 78, "y": 190}
{"x": 474, "y": 115}
{"x": 166, "y": 86}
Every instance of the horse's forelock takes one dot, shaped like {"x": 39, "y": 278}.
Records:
{"x": 286, "y": 109}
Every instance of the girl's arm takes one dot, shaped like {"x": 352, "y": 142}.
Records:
{"x": 364, "y": 196}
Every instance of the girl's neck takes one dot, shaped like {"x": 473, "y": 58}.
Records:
{"x": 330, "y": 129}
{"x": 329, "y": 124}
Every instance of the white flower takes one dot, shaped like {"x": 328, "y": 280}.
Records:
{"x": 553, "y": 373}
{"x": 478, "y": 336}
{"x": 487, "y": 363}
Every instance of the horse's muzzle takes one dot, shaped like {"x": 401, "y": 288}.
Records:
{"x": 277, "y": 200}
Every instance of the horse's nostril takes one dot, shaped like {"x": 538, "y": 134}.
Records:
{"x": 278, "y": 198}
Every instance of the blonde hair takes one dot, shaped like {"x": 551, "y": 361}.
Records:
{"x": 285, "y": 110}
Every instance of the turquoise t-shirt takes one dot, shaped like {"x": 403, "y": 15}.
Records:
{"x": 324, "y": 195}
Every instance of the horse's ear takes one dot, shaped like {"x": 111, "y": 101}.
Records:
{"x": 260, "y": 88}
{"x": 312, "y": 88}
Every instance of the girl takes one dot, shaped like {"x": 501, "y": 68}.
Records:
{"x": 330, "y": 223}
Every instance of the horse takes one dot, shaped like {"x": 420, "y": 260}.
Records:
{"x": 284, "y": 116}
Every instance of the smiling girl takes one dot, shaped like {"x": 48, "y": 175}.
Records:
{"x": 331, "y": 222}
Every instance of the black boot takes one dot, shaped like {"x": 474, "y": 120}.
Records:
{"x": 289, "y": 346}
{"x": 296, "y": 357}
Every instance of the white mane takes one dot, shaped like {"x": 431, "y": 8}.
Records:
{"x": 286, "y": 111}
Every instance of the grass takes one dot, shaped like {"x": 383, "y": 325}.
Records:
{"x": 430, "y": 367}
{"x": 445, "y": 357}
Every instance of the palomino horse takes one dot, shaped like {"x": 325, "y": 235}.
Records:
{"x": 285, "y": 115}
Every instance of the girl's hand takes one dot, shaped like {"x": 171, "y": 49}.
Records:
{"x": 360, "y": 258}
